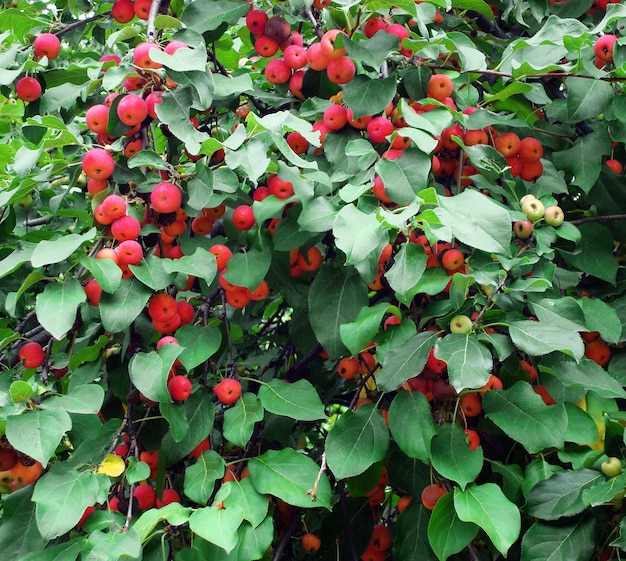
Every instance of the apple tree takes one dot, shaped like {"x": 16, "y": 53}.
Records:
{"x": 328, "y": 279}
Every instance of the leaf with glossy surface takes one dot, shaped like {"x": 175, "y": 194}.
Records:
{"x": 358, "y": 439}
{"x": 248, "y": 268}
{"x": 368, "y": 96}
{"x": 469, "y": 362}
{"x": 536, "y": 339}
{"x": 200, "y": 478}
{"x": 152, "y": 273}
{"x": 522, "y": 415}
{"x": 405, "y": 361}
{"x": 57, "y": 305}
{"x": 149, "y": 371}
{"x": 197, "y": 264}
{"x": 208, "y": 15}
{"x": 19, "y": 533}
{"x": 243, "y": 494}
{"x": 476, "y": 221}
{"x": 289, "y": 476}
{"x": 62, "y": 495}
{"x": 255, "y": 541}
{"x": 601, "y": 318}
{"x": 105, "y": 271}
{"x": 575, "y": 541}
{"x": 218, "y": 526}
{"x": 85, "y": 399}
{"x": 120, "y": 309}
{"x": 447, "y": 533}
{"x": 411, "y": 540}
{"x": 486, "y": 506}
{"x": 336, "y": 296}
{"x": 584, "y": 374}
{"x": 452, "y": 457}
{"x": 114, "y": 545}
{"x": 37, "y": 433}
{"x": 358, "y": 334}
{"x": 408, "y": 267}
{"x": 174, "y": 513}
{"x": 200, "y": 342}
{"x": 561, "y": 495}
{"x": 298, "y": 400}
{"x": 240, "y": 419}
{"x": 412, "y": 409}
{"x": 59, "y": 249}
{"x": 358, "y": 234}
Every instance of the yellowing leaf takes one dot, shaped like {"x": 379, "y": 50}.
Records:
{"x": 112, "y": 465}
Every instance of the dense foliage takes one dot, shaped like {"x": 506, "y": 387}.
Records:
{"x": 327, "y": 280}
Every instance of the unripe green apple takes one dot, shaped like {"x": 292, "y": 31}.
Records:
{"x": 533, "y": 209}
{"x": 554, "y": 216}
{"x": 528, "y": 197}
{"x": 461, "y": 324}
{"x": 612, "y": 467}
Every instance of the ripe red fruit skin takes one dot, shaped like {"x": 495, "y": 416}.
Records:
{"x": 180, "y": 388}
{"x": 93, "y": 291}
{"x": 28, "y": 89}
{"x": 256, "y": 21}
{"x": 169, "y": 496}
{"x": 47, "y": 44}
{"x": 123, "y": 11}
{"x": 439, "y": 87}
{"x": 243, "y": 217}
{"x": 132, "y": 110}
{"x": 125, "y": 228}
{"x": 452, "y": 259}
{"x": 32, "y": 355}
{"x": 228, "y": 391}
{"x": 98, "y": 164}
{"x": 166, "y": 197}
{"x": 615, "y": 166}
{"x": 603, "y": 47}
{"x": 145, "y": 495}
{"x": 379, "y": 128}
{"x": 341, "y": 70}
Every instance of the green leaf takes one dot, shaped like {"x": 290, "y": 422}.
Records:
{"x": 298, "y": 400}
{"x": 358, "y": 439}
{"x": 60, "y": 248}
{"x": 536, "y": 339}
{"x": 119, "y": 310}
{"x": 83, "y": 399}
{"x": 196, "y": 264}
{"x": 19, "y": 533}
{"x": 451, "y": 455}
{"x": 67, "y": 551}
{"x": 575, "y": 541}
{"x": 369, "y": 96}
{"x": 152, "y": 273}
{"x": 412, "y": 409}
{"x": 251, "y": 157}
{"x": 176, "y": 417}
{"x": 596, "y": 253}
{"x": 486, "y": 506}
{"x": 248, "y": 268}
{"x": 243, "y": 494}
{"x": 62, "y": 495}
{"x": 208, "y": 15}
{"x": 586, "y": 98}
{"x": 411, "y": 540}
{"x": 476, "y": 221}
{"x": 174, "y": 513}
{"x": 584, "y": 374}
{"x": 561, "y": 494}
{"x": 405, "y": 361}
{"x": 37, "y": 433}
{"x": 218, "y": 526}
{"x": 136, "y": 471}
{"x": 447, "y": 533}
{"x": 240, "y": 419}
{"x": 57, "y": 305}
{"x": 336, "y": 297}
{"x": 20, "y": 391}
{"x": 200, "y": 343}
{"x": 254, "y": 541}
{"x": 522, "y": 414}
{"x": 601, "y": 318}
{"x": 409, "y": 264}
{"x": 149, "y": 371}
{"x": 565, "y": 313}
{"x": 148, "y": 157}
{"x": 580, "y": 426}
{"x": 290, "y": 476}
{"x": 358, "y": 334}
{"x": 200, "y": 477}
{"x": 105, "y": 271}
{"x": 469, "y": 362}
{"x": 358, "y": 243}
{"x": 113, "y": 545}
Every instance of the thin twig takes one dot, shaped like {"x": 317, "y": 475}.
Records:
{"x": 606, "y": 218}
{"x": 154, "y": 10}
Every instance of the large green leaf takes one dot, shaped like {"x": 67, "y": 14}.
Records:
{"x": 289, "y": 476}
{"x": 405, "y": 361}
{"x": 586, "y": 98}
{"x": 174, "y": 513}
{"x": 248, "y": 268}
{"x": 452, "y": 457}
{"x": 358, "y": 440}
{"x": 447, "y": 533}
{"x": 57, "y": 306}
{"x": 199, "y": 343}
{"x": 358, "y": 234}
{"x": 595, "y": 256}
{"x": 120, "y": 309}
{"x": 218, "y": 525}
{"x": 255, "y": 541}
{"x": 197, "y": 264}
{"x": 62, "y": 495}
{"x": 469, "y": 361}
{"x": 243, "y": 494}
{"x": 200, "y": 477}
{"x": 412, "y": 409}
{"x": 86, "y": 398}
{"x": 411, "y": 540}
{"x": 149, "y": 371}
{"x": 152, "y": 273}
{"x": 408, "y": 267}
{"x": 486, "y": 506}
{"x": 19, "y": 533}
{"x": 476, "y": 221}
{"x": 602, "y": 318}
{"x": 240, "y": 419}
{"x": 574, "y": 541}
{"x": 536, "y": 338}
{"x": 368, "y": 96}
{"x": 105, "y": 271}
{"x": 522, "y": 414}
{"x": 208, "y": 15}
{"x": 37, "y": 433}
{"x": 60, "y": 248}
{"x": 298, "y": 400}
{"x": 113, "y": 545}
{"x": 336, "y": 297}
{"x": 562, "y": 494}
